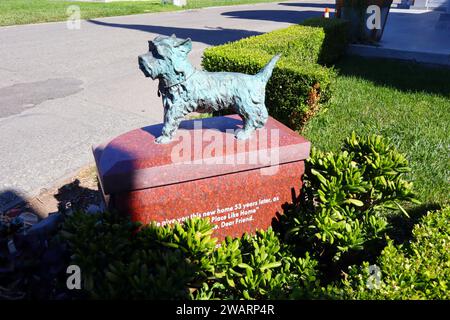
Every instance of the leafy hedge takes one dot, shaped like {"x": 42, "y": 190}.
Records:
{"x": 292, "y": 93}
{"x": 298, "y": 84}
{"x": 180, "y": 261}
{"x": 321, "y": 248}
{"x": 300, "y": 43}
{"x": 346, "y": 196}
{"x": 418, "y": 270}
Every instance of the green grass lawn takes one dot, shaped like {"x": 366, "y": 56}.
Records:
{"x": 406, "y": 102}
{"x": 33, "y": 11}
{"x": 14, "y": 12}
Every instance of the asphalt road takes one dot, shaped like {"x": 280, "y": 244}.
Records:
{"x": 62, "y": 90}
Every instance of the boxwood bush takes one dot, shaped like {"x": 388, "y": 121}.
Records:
{"x": 299, "y": 84}
{"x": 294, "y": 91}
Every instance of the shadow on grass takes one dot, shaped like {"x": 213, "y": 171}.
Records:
{"x": 404, "y": 76}
{"x": 402, "y": 226}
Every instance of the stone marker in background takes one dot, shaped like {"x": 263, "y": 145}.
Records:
{"x": 239, "y": 185}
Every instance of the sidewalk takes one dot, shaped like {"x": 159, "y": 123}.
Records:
{"x": 417, "y": 35}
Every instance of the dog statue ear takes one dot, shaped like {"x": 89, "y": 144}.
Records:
{"x": 173, "y": 36}
{"x": 185, "y": 45}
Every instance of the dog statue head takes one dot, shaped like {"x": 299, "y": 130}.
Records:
{"x": 166, "y": 58}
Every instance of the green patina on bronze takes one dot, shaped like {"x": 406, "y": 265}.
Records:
{"x": 185, "y": 89}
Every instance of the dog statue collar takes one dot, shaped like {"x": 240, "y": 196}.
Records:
{"x": 175, "y": 84}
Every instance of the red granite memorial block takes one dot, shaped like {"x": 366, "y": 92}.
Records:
{"x": 204, "y": 172}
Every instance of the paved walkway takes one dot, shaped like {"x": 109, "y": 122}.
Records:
{"x": 419, "y": 35}
{"x": 62, "y": 91}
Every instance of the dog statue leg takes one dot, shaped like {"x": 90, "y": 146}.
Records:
{"x": 163, "y": 139}
{"x": 246, "y": 131}
{"x": 243, "y": 134}
{"x": 172, "y": 119}
{"x": 249, "y": 118}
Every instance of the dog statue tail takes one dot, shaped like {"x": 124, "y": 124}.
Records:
{"x": 265, "y": 73}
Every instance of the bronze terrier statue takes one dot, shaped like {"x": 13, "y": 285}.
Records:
{"x": 185, "y": 89}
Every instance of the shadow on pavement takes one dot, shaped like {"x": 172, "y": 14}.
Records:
{"x": 10, "y": 198}
{"x": 213, "y": 36}
{"x": 308, "y": 5}
{"x": 75, "y": 197}
{"x": 288, "y": 16}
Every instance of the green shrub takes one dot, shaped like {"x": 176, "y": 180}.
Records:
{"x": 295, "y": 89}
{"x": 336, "y": 38}
{"x": 418, "y": 270}
{"x": 299, "y": 83}
{"x": 96, "y": 242}
{"x": 323, "y": 246}
{"x": 258, "y": 267}
{"x": 118, "y": 260}
{"x": 345, "y": 198}
{"x": 302, "y": 44}
{"x": 180, "y": 261}
{"x": 315, "y": 40}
